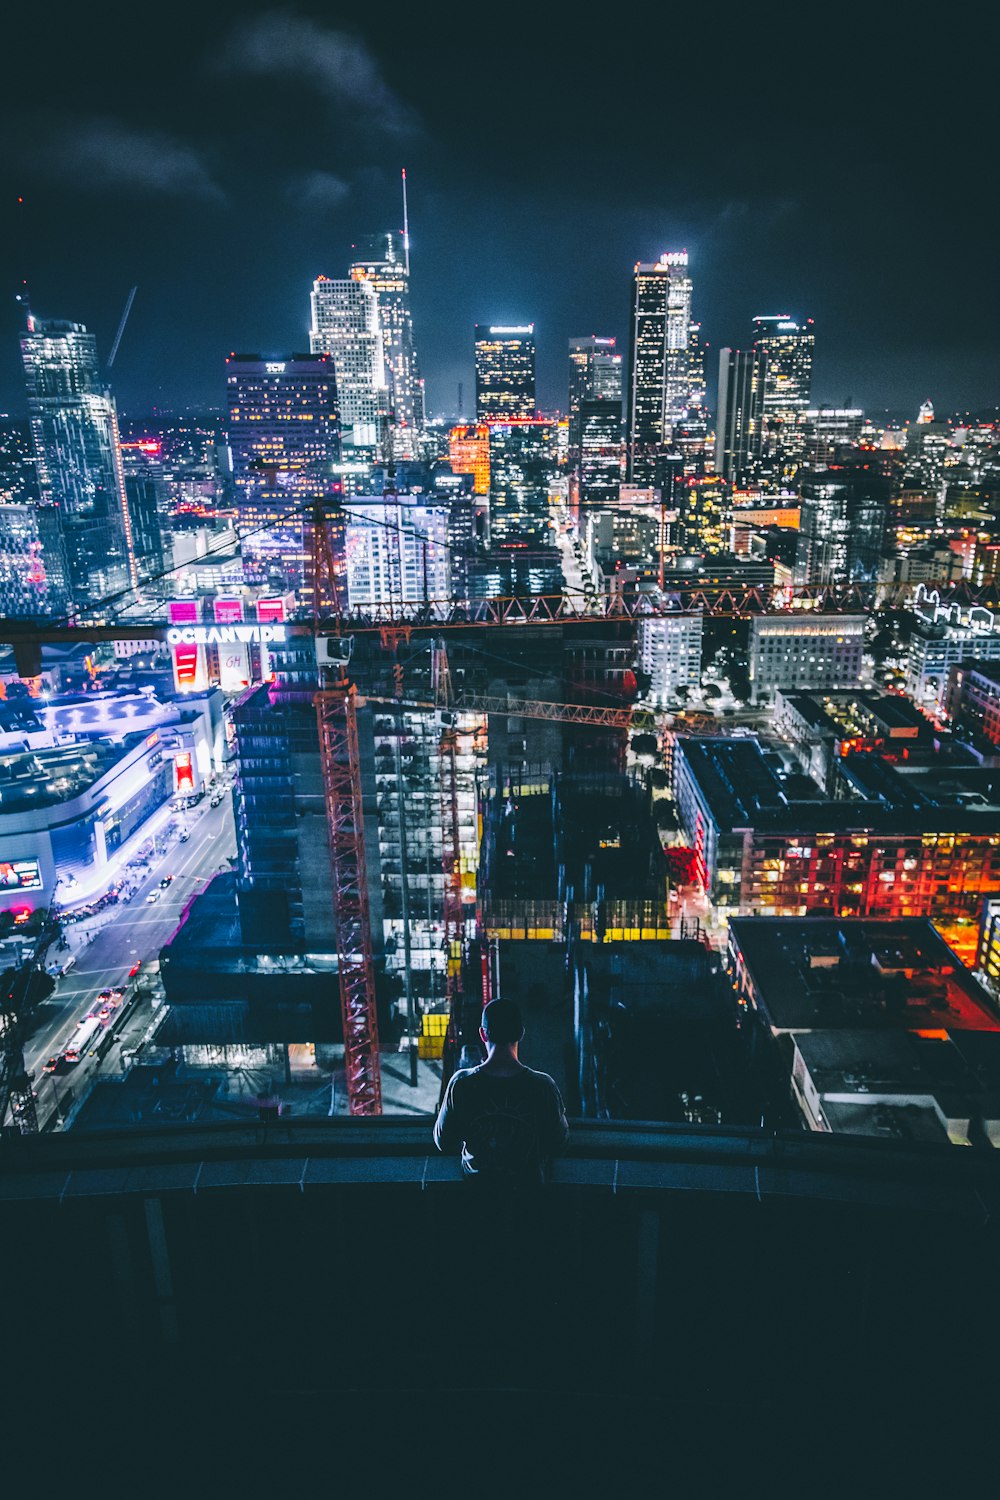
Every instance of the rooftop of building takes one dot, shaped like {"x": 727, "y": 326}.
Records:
{"x": 809, "y": 622}
{"x": 741, "y": 791}
{"x": 633, "y": 1266}
{"x": 867, "y": 1060}
{"x": 818, "y": 973}
{"x": 943, "y": 787}
{"x": 889, "y": 1121}
{"x": 45, "y": 777}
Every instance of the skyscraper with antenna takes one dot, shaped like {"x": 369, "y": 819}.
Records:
{"x": 383, "y": 260}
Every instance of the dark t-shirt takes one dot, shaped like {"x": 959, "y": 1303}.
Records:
{"x": 506, "y": 1125}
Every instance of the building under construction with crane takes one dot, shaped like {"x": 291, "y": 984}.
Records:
{"x": 437, "y": 732}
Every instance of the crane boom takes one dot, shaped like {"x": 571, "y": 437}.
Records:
{"x": 121, "y": 326}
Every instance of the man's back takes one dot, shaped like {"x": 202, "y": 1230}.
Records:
{"x": 507, "y": 1123}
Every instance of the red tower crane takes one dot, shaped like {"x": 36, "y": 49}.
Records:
{"x": 336, "y": 717}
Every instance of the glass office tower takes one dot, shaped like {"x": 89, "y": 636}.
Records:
{"x": 74, "y": 425}
{"x": 505, "y": 373}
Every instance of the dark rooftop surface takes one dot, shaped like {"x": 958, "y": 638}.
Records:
{"x": 814, "y": 973}
{"x": 46, "y": 777}
{"x": 328, "y": 1298}
{"x": 896, "y": 1062}
{"x": 742, "y": 792}
{"x": 828, "y": 710}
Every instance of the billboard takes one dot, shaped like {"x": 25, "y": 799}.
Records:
{"x": 189, "y": 659}
{"x": 272, "y": 609}
{"x": 20, "y": 875}
{"x": 234, "y": 668}
{"x": 228, "y": 611}
{"x": 183, "y": 773}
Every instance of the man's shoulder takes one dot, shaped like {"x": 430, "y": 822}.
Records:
{"x": 461, "y": 1074}
{"x": 542, "y": 1080}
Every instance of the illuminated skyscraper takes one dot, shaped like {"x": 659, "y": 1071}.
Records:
{"x": 524, "y": 478}
{"x": 695, "y": 366}
{"x": 74, "y": 424}
{"x": 738, "y": 423}
{"x": 380, "y": 261}
{"x": 659, "y": 388}
{"x": 505, "y": 373}
{"x": 600, "y": 462}
{"x": 285, "y": 438}
{"x": 346, "y": 325}
{"x": 469, "y": 453}
{"x": 787, "y": 348}
{"x": 595, "y": 374}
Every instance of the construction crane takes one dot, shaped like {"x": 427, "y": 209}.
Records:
{"x": 337, "y": 724}
{"x": 121, "y": 326}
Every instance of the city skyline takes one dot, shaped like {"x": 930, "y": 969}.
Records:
{"x": 548, "y": 236}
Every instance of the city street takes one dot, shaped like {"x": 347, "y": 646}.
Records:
{"x": 572, "y": 572}
{"x": 132, "y": 933}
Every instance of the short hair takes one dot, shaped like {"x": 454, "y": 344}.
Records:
{"x": 502, "y": 1022}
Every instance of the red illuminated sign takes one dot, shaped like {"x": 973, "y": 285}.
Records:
{"x": 183, "y": 611}
{"x": 270, "y": 609}
{"x": 228, "y": 611}
{"x": 183, "y": 771}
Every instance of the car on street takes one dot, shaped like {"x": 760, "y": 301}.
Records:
{"x": 167, "y": 880}
{"x": 183, "y": 838}
{"x": 51, "y": 1065}
{"x": 134, "y": 970}
{"x": 153, "y": 896}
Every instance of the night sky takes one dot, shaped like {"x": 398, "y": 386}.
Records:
{"x": 222, "y": 155}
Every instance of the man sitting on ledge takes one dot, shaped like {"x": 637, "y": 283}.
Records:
{"x": 506, "y": 1119}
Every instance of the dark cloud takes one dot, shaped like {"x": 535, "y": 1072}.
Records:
{"x": 318, "y": 190}
{"x": 102, "y": 155}
{"x": 337, "y": 65}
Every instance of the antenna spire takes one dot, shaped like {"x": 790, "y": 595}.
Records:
{"x": 406, "y": 229}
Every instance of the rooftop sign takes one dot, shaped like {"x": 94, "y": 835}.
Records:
{"x": 224, "y": 635}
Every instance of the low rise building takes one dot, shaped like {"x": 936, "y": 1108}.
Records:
{"x": 899, "y": 842}
{"x": 823, "y": 728}
{"x": 804, "y": 653}
{"x": 81, "y": 779}
{"x": 942, "y": 639}
{"x": 972, "y": 698}
{"x": 882, "y": 1028}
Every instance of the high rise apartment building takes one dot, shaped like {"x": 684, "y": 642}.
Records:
{"x": 524, "y": 477}
{"x": 505, "y": 372}
{"x": 787, "y": 349}
{"x": 380, "y": 262}
{"x": 738, "y": 427}
{"x": 284, "y": 437}
{"x": 74, "y": 425}
{"x": 600, "y": 462}
{"x": 842, "y": 524}
{"x": 399, "y": 550}
{"x": 595, "y": 374}
{"x": 33, "y": 573}
{"x": 346, "y": 325}
{"x": 659, "y": 389}
{"x": 146, "y": 491}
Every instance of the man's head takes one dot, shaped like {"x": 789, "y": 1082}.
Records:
{"x": 502, "y": 1025}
